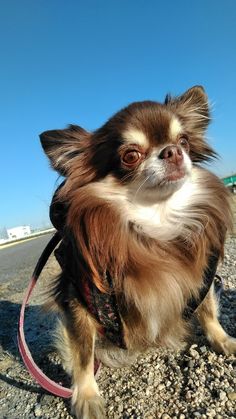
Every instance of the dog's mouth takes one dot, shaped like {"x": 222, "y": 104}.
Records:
{"x": 175, "y": 175}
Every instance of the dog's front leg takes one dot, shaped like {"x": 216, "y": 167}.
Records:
{"x": 80, "y": 330}
{"x": 207, "y": 314}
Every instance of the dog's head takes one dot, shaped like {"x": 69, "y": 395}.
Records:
{"x": 147, "y": 145}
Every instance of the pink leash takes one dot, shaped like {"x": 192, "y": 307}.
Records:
{"x": 32, "y": 367}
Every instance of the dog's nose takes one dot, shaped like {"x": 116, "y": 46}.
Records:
{"x": 172, "y": 153}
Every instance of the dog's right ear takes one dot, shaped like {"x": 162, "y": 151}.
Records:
{"x": 61, "y": 146}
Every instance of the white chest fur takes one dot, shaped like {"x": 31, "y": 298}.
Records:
{"x": 166, "y": 220}
{"x": 163, "y": 220}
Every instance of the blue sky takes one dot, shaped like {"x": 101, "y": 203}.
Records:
{"x": 80, "y": 61}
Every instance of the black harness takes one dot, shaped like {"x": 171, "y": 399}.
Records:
{"x": 103, "y": 306}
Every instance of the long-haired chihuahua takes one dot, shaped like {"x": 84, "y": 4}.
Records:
{"x": 143, "y": 225}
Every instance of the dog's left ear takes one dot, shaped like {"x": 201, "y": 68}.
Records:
{"x": 193, "y": 108}
{"x": 61, "y": 146}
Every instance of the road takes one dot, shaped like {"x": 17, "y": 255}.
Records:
{"x": 21, "y": 258}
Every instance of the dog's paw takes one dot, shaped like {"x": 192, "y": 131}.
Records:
{"x": 226, "y": 346}
{"x": 88, "y": 408}
{"x": 229, "y": 346}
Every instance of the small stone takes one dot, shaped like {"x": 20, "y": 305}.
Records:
{"x": 194, "y": 353}
{"x": 232, "y": 396}
{"x": 120, "y": 408}
{"x": 222, "y": 395}
{"x": 38, "y": 410}
{"x": 217, "y": 373}
{"x": 150, "y": 379}
{"x": 211, "y": 356}
{"x": 148, "y": 391}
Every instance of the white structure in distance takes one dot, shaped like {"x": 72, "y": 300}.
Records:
{"x": 18, "y": 232}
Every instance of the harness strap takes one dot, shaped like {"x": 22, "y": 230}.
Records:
{"x": 32, "y": 367}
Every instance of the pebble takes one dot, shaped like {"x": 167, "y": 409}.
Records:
{"x": 222, "y": 395}
{"x": 38, "y": 410}
{"x": 120, "y": 408}
{"x": 191, "y": 363}
{"x": 147, "y": 391}
{"x": 194, "y": 353}
{"x": 232, "y": 396}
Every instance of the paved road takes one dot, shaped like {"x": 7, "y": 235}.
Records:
{"x": 21, "y": 258}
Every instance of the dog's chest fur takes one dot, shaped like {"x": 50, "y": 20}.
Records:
{"x": 165, "y": 284}
{"x": 168, "y": 219}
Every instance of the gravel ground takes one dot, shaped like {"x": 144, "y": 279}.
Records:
{"x": 161, "y": 384}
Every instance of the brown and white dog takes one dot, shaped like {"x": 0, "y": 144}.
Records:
{"x": 140, "y": 207}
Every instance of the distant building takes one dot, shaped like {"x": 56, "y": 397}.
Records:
{"x": 18, "y": 232}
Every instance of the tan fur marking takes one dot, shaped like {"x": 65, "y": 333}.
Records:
{"x": 175, "y": 128}
{"x": 134, "y": 136}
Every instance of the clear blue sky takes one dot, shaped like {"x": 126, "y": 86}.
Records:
{"x": 80, "y": 61}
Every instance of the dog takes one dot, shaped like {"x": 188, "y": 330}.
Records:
{"x": 142, "y": 223}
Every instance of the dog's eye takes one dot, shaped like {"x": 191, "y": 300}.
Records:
{"x": 183, "y": 142}
{"x": 131, "y": 157}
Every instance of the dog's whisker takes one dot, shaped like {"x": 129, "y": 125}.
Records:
{"x": 140, "y": 187}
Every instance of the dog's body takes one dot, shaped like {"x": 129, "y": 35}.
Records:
{"x": 140, "y": 208}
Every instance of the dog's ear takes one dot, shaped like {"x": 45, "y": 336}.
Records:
{"x": 61, "y": 146}
{"x": 192, "y": 107}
